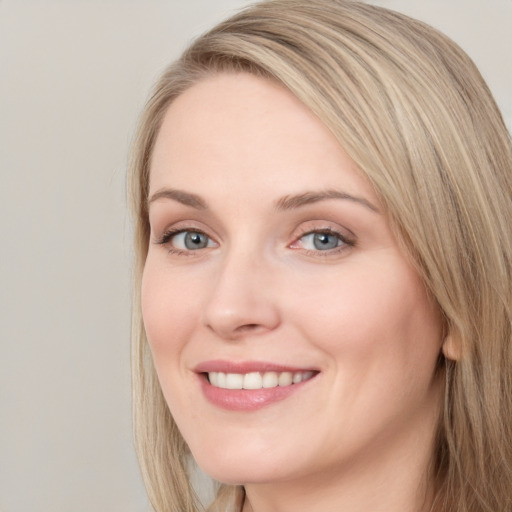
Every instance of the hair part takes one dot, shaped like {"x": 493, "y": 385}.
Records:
{"x": 411, "y": 109}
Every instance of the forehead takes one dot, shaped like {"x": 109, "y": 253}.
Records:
{"x": 243, "y": 130}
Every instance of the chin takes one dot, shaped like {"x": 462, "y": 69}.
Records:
{"x": 231, "y": 471}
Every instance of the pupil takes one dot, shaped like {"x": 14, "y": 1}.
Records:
{"x": 325, "y": 241}
{"x": 195, "y": 241}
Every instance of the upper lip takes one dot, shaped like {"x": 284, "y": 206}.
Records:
{"x": 247, "y": 367}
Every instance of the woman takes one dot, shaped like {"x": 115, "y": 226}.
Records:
{"x": 322, "y": 193}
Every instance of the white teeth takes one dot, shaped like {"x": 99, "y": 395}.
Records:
{"x": 253, "y": 381}
{"x": 234, "y": 381}
{"x": 221, "y": 380}
{"x": 285, "y": 378}
{"x": 257, "y": 380}
{"x": 270, "y": 380}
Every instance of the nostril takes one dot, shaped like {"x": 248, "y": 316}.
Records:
{"x": 247, "y": 327}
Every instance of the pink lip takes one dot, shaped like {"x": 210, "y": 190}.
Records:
{"x": 245, "y": 399}
{"x": 245, "y": 367}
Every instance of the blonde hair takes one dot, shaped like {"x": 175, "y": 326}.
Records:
{"x": 411, "y": 109}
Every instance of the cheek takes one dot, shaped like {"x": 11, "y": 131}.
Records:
{"x": 169, "y": 316}
{"x": 374, "y": 315}
{"x": 167, "y": 310}
{"x": 382, "y": 336}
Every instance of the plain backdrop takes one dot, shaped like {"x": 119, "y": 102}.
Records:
{"x": 73, "y": 76}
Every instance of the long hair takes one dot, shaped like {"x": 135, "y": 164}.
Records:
{"x": 411, "y": 109}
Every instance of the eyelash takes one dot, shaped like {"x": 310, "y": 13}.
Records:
{"x": 166, "y": 238}
{"x": 346, "y": 242}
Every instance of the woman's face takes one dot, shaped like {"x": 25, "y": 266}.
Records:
{"x": 272, "y": 266}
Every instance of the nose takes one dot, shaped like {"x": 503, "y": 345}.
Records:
{"x": 242, "y": 302}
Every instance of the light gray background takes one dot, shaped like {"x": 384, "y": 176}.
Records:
{"x": 73, "y": 77}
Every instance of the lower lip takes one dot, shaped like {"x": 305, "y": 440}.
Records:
{"x": 247, "y": 399}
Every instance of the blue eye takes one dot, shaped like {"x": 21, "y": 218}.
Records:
{"x": 190, "y": 240}
{"x": 321, "y": 241}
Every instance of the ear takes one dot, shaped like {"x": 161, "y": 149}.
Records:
{"x": 452, "y": 347}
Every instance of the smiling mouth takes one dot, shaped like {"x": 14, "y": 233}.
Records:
{"x": 258, "y": 380}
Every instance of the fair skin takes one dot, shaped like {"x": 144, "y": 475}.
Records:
{"x": 271, "y": 255}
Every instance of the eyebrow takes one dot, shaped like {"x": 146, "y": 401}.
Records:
{"x": 180, "y": 196}
{"x": 306, "y": 198}
{"x": 288, "y": 202}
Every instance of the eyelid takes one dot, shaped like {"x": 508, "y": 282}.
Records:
{"x": 346, "y": 237}
{"x": 168, "y": 234}
{"x": 162, "y": 229}
{"x": 346, "y": 241}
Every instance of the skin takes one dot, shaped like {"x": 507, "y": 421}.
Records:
{"x": 358, "y": 436}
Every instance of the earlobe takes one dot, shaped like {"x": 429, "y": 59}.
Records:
{"x": 452, "y": 347}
